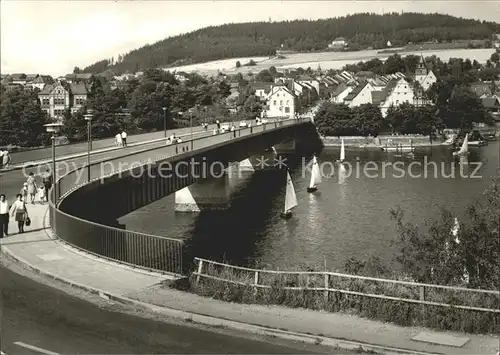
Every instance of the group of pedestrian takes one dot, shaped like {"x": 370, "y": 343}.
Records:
{"x": 121, "y": 139}
{"x": 18, "y": 209}
{"x": 4, "y": 159}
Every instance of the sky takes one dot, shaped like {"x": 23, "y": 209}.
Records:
{"x": 52, "y": 37}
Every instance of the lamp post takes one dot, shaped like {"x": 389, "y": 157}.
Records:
{"x": 88, "y": 117}
{"x": 191, "y": 129}
{"x": 53, "y": 128}
{"x": 165, "y": 121}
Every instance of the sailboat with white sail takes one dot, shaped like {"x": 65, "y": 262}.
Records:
{"x": 315, "y": 176}
{"x": 290, "y": 198}
{"x": 464, "y": 150}
{"x": 342, "y": 153}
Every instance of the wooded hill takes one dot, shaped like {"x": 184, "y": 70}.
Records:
{"x": 263, "y": 38}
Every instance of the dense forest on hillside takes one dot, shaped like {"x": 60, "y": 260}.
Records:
{"x": 263, "y": 38}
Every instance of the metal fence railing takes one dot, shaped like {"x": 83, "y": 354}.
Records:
{"x": 142, "y": 250}
{"x": 370, "y": 287}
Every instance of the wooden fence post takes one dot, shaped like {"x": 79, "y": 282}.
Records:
{"x": 255, "y": 282}
{"x": 327, "y": 286}
{"x": 422, "y": 293}
{"x": 421, "y": 290}
{"x": 200, "y": 268}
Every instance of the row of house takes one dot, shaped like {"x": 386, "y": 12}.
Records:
{"x": 287, "y": 95}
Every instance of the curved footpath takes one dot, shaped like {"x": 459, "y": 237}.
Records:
{"x": 40, "y": 251}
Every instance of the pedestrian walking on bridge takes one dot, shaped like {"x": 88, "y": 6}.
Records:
{"x": 19, "y": 212}
{"x": 4, "y": 216}
{"x": 124, "y": 138}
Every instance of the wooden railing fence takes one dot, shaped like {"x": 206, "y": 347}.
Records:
{"x": 330, "y": 283}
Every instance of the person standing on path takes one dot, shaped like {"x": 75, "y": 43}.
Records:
{"x": 47, "y": 183}
{"x": 19, "y": 212}
{"x": 118, "y": 139}
{"x": 124, "y": 138}
{"x": 32, "y": 187}
{"x": 4, "y": 216}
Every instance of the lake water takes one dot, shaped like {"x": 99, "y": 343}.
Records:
{"x": 348, "y": 217}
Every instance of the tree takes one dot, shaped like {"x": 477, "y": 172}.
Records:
{"x": 495, "y": 57}
{"x": 434, "y": 256}
{"x": 334, "y": 119}
{"x": 22, "y": 119}
{"x": 76, "y": 70}
{"x": 265, "y": 76}
{"x": 367, "y": 119}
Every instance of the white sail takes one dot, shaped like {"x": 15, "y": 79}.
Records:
{"x": 315, "y": 174}
{"x": 465, "y": 145}
{"x": 290, "y": 197}
{"x": 342, "y": 152}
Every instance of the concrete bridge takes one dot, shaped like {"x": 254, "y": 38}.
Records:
{"x": 85, "y": 213}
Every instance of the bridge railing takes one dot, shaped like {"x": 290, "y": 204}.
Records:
{"x": 330, "y": 283}
{"x": 141, "y": 250}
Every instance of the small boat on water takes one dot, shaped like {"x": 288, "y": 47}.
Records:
{"x": 478, "y": 143}
{"x": 290, "y": 198}
{"x": 464, "y": 150}
{"x": 342, "y": 153}
{"x": 315, "y": 176}
{"x": 399, "y": 148}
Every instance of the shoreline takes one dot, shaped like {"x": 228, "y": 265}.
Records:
{"x": 382, "y": 141}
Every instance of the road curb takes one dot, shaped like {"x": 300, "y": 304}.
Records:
{"x": 214, "y": 321}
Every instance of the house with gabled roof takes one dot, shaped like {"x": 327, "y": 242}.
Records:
{"x": 39, "y": 82}
{"x": 492, "y": 105}
{"x": 282, "y": 102}
{"x": 55, "y": 99}
{"x": 396, "y": 92}
{"x": 359, "y": 95}
{"x": 261, "y": 89}
{"x": 481, "y": 88}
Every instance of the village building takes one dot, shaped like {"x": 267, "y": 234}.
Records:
{"x": 55, "y": 99}
{"x": 281, "y": 102}
{"x": 423, "y": 76}
{"x": 359, "y": 95}
{"x": 397, "y": 92}
{"x": 338, "y": 43}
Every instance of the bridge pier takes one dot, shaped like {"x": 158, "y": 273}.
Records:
{"x": 214, "y": 193}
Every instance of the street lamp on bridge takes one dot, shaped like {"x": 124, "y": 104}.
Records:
{"x": 53, "y": 128}
{"x": 88, "y": 117}
{"x": 165, "y": 121}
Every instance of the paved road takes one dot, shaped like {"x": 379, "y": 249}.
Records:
{"x": 46, "y": 153}
{"x": 35, "y": 316}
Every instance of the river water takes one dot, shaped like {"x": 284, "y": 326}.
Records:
{"x": 348, "y": 216}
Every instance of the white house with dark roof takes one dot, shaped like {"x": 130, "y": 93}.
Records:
{"x": 359, "y": 95}
{"x": 396, "y": 92}
{"x": 339, "y": 42}
{"x": 281, "y": 102}
{"x": 58, "y": 97}
{"x": 341, "y": 92}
